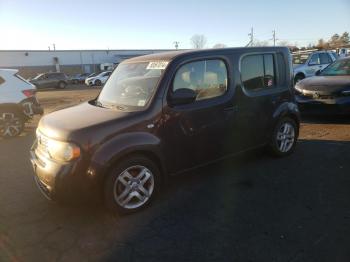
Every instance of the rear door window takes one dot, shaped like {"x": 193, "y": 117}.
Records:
{"x": 325, "y": 59}
{"x": 258, "y": 72}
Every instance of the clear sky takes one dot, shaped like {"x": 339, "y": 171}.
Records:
{"x": 135, "y": 24}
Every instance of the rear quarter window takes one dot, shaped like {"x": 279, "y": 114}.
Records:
{"x": 2, "y": 80}
{"x": 282, "y": 68}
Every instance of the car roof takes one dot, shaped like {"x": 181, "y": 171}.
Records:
{"x": 9, "y": 71}
{"x": 169, "y": 56}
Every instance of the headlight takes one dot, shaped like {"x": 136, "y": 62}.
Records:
{"x": 62, "y": 151}
{"x": 298, "y": 88}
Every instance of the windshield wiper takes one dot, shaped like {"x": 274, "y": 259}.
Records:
{"x": 118, "y": 107}
{"x": 99, "y": 104}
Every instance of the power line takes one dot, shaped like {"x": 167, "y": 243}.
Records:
{"x": 251, "y": 34}
{"x": 274, "y": 37}
{"x": 176, "y": 43}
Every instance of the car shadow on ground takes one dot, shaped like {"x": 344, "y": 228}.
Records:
{"x": 254, "y": 208}
{"x": 325, "y": 119}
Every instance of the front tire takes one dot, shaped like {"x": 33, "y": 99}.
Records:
{"x": 11, "y": 123}
{"x": 98, "y": 82}
{"x": 284, "y": 137}
{"x": 298, "y": 78}
{"x": 131, "y": 185}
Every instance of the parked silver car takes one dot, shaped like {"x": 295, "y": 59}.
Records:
{"x": 307, "y": 64}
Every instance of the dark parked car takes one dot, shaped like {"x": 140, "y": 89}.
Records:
{"x": 328, "y": 92}
{"x": 78, "y": 78}
{"x": 163, "y": 114}
{"x": 50, "y": 80}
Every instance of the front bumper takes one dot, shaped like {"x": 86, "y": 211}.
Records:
{"x": 89, "y": 82}
{"x": 339, "y": 105}
{"x": 61, "y": 181}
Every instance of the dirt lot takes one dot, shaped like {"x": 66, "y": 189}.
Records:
{"x": 251, "y": 208}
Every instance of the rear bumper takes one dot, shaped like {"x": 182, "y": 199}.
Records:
{"x": 324, "y": 106}
{"x": 31, "y": 107}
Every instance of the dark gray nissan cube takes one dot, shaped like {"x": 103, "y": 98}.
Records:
{"x": 163, "y": 114}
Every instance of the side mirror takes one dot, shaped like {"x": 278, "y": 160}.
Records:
{"x": 318, "y": 72}
{"x": 182, "y": 96}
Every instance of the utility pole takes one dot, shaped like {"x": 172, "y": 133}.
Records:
{"x": 274, "y": 37}
{"x": 176, "y": 43}
{"x": 251, "y": 34}
{"x": 54, "y": 47}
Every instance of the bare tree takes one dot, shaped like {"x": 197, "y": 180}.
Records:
{"x": 260, "y": 43}
{"x": 198, "y": 41}
{"x": 321, "y": 44}
{"x": 284, "y": 43}
{"x": 219, "y": 45}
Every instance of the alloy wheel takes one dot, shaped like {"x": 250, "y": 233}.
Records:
{"x": 133, "y": 187}
{"x": 285, "y": 137}
{"x": 10, "y": 125}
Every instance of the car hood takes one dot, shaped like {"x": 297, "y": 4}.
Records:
{"x": 325, "y": 84}
{"x": 81, "y": 123}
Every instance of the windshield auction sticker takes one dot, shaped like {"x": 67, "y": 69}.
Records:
{"x": 157, "y": 65}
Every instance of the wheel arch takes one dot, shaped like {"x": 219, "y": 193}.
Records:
{"x": 287, "y": 109}
{"x": 125, "y": 146}
{"x": 302, "y": 74}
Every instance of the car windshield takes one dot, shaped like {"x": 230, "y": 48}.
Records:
{"x": 340, "y": 67}
{"x": 300, "y": 58}
{"x": 131, "y": 85}
{"x": 93, "y": 74}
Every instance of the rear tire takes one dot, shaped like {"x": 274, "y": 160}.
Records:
{"x": 131, "y": 185}
{"x": 298, "y": 78}
{"x": 62, "y": 85}
{"x": 11, "y": 123}
{"x": 284, "y": 137}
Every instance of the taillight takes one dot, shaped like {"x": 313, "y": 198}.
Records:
{"x": 29, "y": 92}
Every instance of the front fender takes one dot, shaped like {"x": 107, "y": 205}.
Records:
{"x": 112, "y": 150}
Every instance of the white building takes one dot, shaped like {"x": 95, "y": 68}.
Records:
{"x": 32, "y": 62}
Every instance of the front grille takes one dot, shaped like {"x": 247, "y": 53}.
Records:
{"x": 42, "y": 143}
{"x": 318, "y": 96}
{"x": 44, "y": 189}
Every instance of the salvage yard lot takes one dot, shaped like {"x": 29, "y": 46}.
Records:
{"x": 249, "y": 208}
